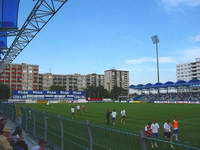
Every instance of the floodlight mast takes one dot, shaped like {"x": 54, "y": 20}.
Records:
{"x": 155, "y": 40}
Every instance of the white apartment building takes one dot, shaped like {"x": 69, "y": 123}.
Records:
{"x": 74, "y": 82}
{"x": 95, "y": 80}
{"x": 117, "y": 78}
{"x": 81, "y": 83}
{"x": 45, "y": 81}
{"x": 188, "y": 71}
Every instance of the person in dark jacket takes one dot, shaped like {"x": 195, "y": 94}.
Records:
{"x": 108, "y": 114}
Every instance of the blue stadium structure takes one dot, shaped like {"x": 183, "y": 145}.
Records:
{"x": 169, "y": 84}
{"x": 169, "y": 92}
{"x": 40, "y": 15}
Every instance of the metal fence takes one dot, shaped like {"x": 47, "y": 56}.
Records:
{"x": 68, "y": 134}
{"x": 8, "y": 110}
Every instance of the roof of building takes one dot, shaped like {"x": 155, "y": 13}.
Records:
{"x": 115, "y": 70}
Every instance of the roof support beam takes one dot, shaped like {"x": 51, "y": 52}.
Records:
{"x": 40, "y": 15}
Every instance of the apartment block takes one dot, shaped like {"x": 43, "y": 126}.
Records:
{"x": 45, "y": 81}
{"x": 73, "y": 82}
{"x": 117, "y": 78}
{"x": 95, "y": 80}
{"x": 81, "y": 82}
{"x": 188, "y": 71}
{"x": 21, "y": 76}
{"x": 26, "y": 77}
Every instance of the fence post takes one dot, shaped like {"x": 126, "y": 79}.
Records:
{"x": 142, "y": 141}
{"x": 61, "y": 133}
{"x": 34, "y": 124}
{"x": 26, "y": 119}
{"x": 23, "y": 113}
{"x": 14, "y": 113}
{"x": 45, "y": 126}
{"x": 90, "y": 138}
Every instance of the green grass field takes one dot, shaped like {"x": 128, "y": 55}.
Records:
{"x": 138, "y": 115}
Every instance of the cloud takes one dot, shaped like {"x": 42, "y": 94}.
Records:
{"x": 177, "y": 3}
{"x": 147, "y": 73}
{"x": 139, "y": 60}
{"x": 189, "y": 55}
{"x": 167, "y": 60}
{"x": 195, "y": 38}
{"x": 149, "y": 60}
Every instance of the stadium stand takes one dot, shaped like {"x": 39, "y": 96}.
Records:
{"x": 187, "y": 96}
{"x": 18, "y": 139}
{"x": 169, "y": 91}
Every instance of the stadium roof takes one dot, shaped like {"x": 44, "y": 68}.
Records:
{"x": 180, "y": 83}
{"x": 8, "y": 20}
{"x": 8, "y": 14}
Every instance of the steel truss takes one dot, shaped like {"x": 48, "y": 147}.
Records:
{"x": 9, "y": 32}
{"x": 40, "y": 15}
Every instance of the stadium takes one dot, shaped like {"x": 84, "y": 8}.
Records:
{"x": 169, "y": 92}
{"x": 47, "y": 114}
{"x": 152, "y": 116}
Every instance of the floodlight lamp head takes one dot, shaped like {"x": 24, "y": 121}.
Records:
{"x": 155, "y": 39}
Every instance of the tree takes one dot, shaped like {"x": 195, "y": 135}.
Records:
{"x": 57, "y": 88}
{"x": 116, "y": 92}
{"x": 133, "y": 95}
{"x": 106, "y": 93}
{"x": 97, "y": 92}
{"x": 4, "y": 92}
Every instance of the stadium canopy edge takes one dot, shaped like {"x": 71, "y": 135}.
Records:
{"x": 180, "y": 83}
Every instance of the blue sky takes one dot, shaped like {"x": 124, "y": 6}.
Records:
{"x": 90, "y": 36}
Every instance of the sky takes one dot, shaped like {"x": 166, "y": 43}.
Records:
{"x": 91, "y": 36}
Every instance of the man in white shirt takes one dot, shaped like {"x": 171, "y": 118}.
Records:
{"x": 114, "y": 116}
{"x": 123, "y": 116}
{"x": 155, "y": 130}
{"x": 72, "y": 112}
{"x": 167, "y": 131}
{"x": 78, "y": 108}
{"x": 48, "y": 103}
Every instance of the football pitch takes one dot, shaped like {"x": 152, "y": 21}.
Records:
{"x": 138, "y": 115}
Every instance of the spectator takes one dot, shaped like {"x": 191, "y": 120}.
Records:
{"x": 167, "y": 131}
{"x": 148, "y": 133}
{"x": 17, "y": 134}
{"x": 148, "y": 130}
{"x": 155, "y": 130}
{"x": 2, "y": 124}
{"x": 175, "y": 125}
{"x": 41, "y": 145}
{"x": 4, "y": 139}
{"x": 20, "y": 144}
{"x": 18, "y": 131}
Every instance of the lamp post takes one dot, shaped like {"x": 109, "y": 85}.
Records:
{"x": 155, "y": 41}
